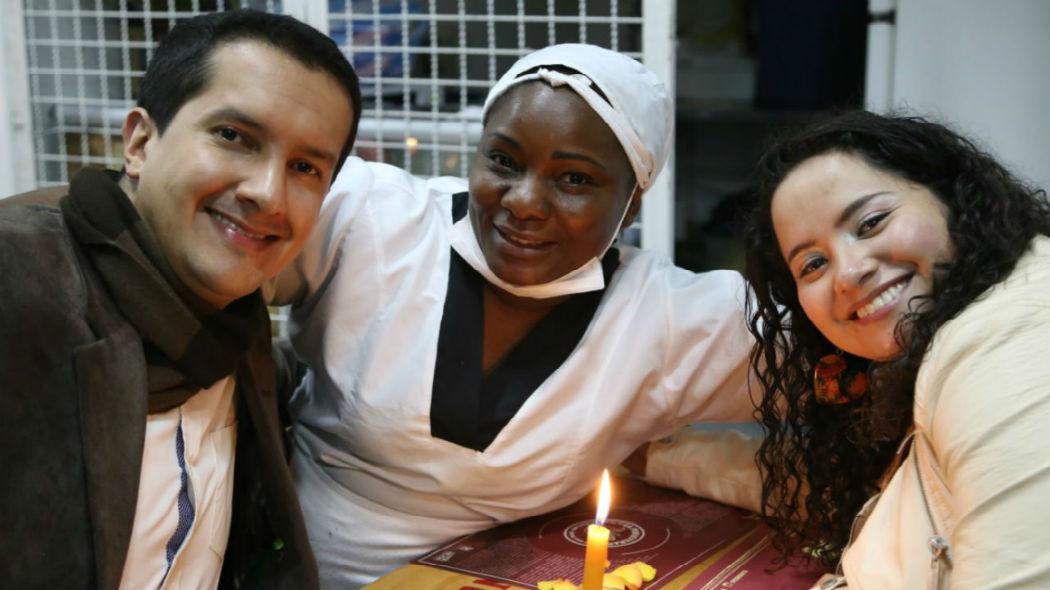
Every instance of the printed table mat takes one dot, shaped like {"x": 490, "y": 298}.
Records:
{"x": 694, "y": 544}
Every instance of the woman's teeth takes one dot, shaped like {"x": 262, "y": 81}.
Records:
{"x": 524, "y": 242}
{"x": 884, "y": 299}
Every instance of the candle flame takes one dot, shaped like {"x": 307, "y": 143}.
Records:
{"x": 604, "y": 498}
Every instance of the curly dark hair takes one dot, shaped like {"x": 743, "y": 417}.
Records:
{"x": 819, "y": 462}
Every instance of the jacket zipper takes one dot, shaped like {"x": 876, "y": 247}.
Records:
{"x": 938, "y": 545}
{"x": 938, "y": 557}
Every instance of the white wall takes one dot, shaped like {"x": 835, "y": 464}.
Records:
{"x": 5, "y": 130}
{"x": 983, "y": 66}
{"x": 17, "y": 172}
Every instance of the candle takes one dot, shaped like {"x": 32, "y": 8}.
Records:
{"x": 598, "y": 540}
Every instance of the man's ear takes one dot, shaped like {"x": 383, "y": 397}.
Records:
{"x": 633, "y": 208}
{"x": 139, "y": 132}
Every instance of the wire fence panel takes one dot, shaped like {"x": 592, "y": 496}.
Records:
{"x": 426, "y": 65}
{"x": 86, "y": 60}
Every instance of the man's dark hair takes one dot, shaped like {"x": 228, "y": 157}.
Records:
{"x": 181, "y": 66}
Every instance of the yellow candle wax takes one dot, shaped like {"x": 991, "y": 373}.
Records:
{"x": 598, "y": 539}
{"x": 595, "y": 557}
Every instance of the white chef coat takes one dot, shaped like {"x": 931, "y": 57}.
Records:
{"x": 665, "y": 347}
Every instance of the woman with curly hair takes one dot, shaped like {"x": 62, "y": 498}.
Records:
{"x": 901, "y": 305}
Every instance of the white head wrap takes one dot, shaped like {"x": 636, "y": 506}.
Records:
{"x": 639, "y": 109}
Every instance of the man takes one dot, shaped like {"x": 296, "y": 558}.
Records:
{"x": 139, "y": 426}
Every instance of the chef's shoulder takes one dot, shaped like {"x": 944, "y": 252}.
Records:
{"x": 375, "y": 184}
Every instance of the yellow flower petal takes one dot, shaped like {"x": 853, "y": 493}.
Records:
{"x": 631, "y": 575}
{"x": 648, "y": 571}
{"x": 613, "y": 582}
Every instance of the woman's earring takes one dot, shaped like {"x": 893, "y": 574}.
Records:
{"x": 834, "y": 383}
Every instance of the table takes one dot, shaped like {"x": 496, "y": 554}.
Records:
{"x": 694, "y": 544}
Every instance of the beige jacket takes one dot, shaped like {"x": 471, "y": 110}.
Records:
{"x": 979, "y": 473}
{"x": 969, "y": 507}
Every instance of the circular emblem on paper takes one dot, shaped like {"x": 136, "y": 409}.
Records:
{"x": 621, "y": 532}
{"x": 633, "y": 532}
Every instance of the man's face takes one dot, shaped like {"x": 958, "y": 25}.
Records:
{"x": 233, "y": 186}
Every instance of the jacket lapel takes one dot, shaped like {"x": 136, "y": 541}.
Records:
{"x": 111, "y": 379}
{"x": 256, "y": 382}
{"x": 256, "y": 386}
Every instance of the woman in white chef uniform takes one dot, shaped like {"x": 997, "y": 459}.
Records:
{"x": 479, "y": 353}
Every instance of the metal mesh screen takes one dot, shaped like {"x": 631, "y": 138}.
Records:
{"x": 426, "y": 65}
{"x": 86, "y": 59}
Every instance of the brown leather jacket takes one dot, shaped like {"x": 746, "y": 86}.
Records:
{"x": 72, "y": 424}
